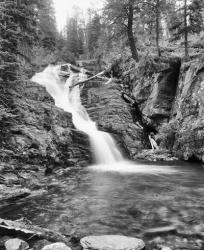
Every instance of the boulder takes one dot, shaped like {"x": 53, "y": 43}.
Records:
{"x": 16, "y": 244}
{"x": 112, "y": 242}
{"x": 56, "y": 246}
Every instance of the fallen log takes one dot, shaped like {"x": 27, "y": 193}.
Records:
{"x": 12, "y": 193}
{"x": 64, "y": 73}
{"x": 76, "y": 69}
{"x": 27, "y": 231}
{"x": 89, "y": 79}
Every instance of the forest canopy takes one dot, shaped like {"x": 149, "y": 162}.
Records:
{"x": 29, "y": 31}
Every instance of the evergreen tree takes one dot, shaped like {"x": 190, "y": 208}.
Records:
{"x": 187, "y": 18}
{"x": 196, "y": 22}
{"x": 120, "y": 15}
{"x": 74, "y": 40}
{"x": 47, "y": 25}
{"x": 17, "y": 27}
{"x": 93, "y": 34}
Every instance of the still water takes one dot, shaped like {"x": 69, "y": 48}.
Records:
{"x": 87, "y": 201}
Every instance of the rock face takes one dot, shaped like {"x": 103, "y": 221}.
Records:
{"x": 112, "y": 242}
{"x": 42, "y": 133}
{"x": 156, "y": 94}
{"x": 112, "y": 114}
{"x": 174, "y": 101}
{"x": 188, "y": 112}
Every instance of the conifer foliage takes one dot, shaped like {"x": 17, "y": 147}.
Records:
{"x": 18, "y": 21}
{"x": 47, "y": 25}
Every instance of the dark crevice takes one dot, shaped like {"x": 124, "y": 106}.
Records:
{"x": 194, "y": 159}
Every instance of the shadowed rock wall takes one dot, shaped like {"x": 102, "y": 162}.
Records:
{"x": 188, "y": 111}
{"x": 112, "y": 114}
{"x": 42, "y": 133}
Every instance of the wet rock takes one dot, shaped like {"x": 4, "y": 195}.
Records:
{"x": 112, "y": 242}
{"x": 11, "y": 194}
{"x": 44, "y": 134}
{"x": 156, "y": 155}
{"x": 40, "y": 244}
{"x": 56, "y": 246}
{"x": 188, "y": 111}
{"x": 16, "y": 244}
{"x": 155, "y": 94}
{"x": 113, "y": 115}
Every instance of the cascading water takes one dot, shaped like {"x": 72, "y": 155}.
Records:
{"x": 106, "y": 153}
{"x": 103, "y": 146}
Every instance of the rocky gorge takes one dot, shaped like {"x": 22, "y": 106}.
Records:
{"x": 171, "y": 101}
{"x": 42, "y": 140}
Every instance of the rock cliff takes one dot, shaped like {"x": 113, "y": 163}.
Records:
{"x": 173, "y": 99}
{"x": 188, "y": 111}
{"x": 41, "y": 133}
{"x": 112, "y": 114}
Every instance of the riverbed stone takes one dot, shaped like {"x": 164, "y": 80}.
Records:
{"x": 112, "y": 242}
{"x": 57, "y": 246}
{"x": 16, "y": 244}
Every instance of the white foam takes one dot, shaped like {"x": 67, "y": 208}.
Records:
{"x": 126, "y": 167}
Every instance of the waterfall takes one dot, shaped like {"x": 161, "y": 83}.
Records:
{"x": 103, "y": 146}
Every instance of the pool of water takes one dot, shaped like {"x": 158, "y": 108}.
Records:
{"x": 87, "y": 201}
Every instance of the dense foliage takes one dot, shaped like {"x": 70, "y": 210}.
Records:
{"x": 135, "y": 27}
{"x": 18, "y": 34}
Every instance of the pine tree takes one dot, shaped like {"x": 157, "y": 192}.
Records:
{"x": 47, "y": 24}
{"x": 9, "y": 42}
{"x": 17, "y": 26}
{"x": 196, "y": 22}
{"x": 93, "y": 33}
{"x": 74, "y": 40}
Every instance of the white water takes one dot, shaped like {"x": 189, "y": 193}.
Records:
{"x": 103, "y": 146}
{"x": 107, "y": 155}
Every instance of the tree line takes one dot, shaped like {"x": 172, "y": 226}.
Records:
{"x": 141, "y": 23}
{"x": 134, "y": 24}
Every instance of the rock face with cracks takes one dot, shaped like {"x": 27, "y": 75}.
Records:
{"x": 42, "y": 133}
{"x": 188, "y": 112}
{"x": 113, "y": 115}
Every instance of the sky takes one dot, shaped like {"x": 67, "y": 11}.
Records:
{"x": 64, "y": 8}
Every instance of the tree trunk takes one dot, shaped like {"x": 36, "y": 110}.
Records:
{"x": 186, "y": 30}
{"x": 157, "y": 27}
{"x": 130, "y": 32}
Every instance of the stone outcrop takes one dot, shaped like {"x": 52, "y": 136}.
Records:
{"x": 155, "y": 94}
{"x": 113, "y": 115}
{"x": 173, "y": 100}
{"x": 188, "y": 112}
{"x": 41, "y": 133}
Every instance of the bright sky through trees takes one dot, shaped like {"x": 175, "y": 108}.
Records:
{"x": 65, "y": 7}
